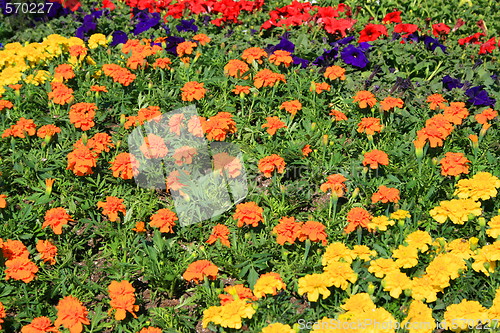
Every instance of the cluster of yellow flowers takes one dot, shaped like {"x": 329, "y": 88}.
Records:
{"x": 337, "y": 270}
{"x": 482, "y": 186}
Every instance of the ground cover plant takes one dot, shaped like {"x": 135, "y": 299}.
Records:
{"x": 357, "y": 144}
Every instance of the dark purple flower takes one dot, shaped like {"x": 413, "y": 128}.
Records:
{"x": 414, "y": 37}
{"x": 395, "y": 36}
{"x": 327, "y": 58}
{"x": 1, "y": 46}
{"x": 88, "y": 24}
{"x": 354, "y": 56}
{"x": 172, "y": 42}
{"x": 187, "y": 25}
{"x": 433, "y": 43}
{"x": 479, "y": 97}
{"x": 146, "y": 21}
{"x": 284, "y": 44}
{"x": 299, "y": 61}
{"x": 206, "y": 20}
{"x": 119, "y": 37}
{"x": 451, "y": 83}
{"x": 253, "y": 32}
{"x": 343, "y": 41}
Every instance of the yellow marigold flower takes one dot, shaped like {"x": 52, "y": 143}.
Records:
{"x": 494, "y": 224}
{"x": 341, "y": 274}
{"x": 39, "y": 78}
{"x": 315, "y": 285}
{"x": 380, "y": 223}
{"x": 457, "y": 210}
{"x": 482, "y": 264}
{"x": 419, "y": 239}
{"x": 268, "y": 283}
{"x": 460, "y": 247}
{"x": 381, "y": 266}
{"x": 466, "y": 314}
{"x": 278, "y": 328}
{"x": 228, "y": 315}
{"x": 446, "y": 265}
{"x": 492, "y": 251}
{"x": 395, "y": 283}
{"x": 363, "y": 252}
{"x": 419, "y": 318}
{"x": 482, "y": 186}
{"x": 400, "y": 215}
{"x": 407, "y": 256}
{"x": 359, "y": 303}
{"x": 423, "y": 288}
{"x": 494, "y": 310}
{"x": 335, "y": 252}
{"x": 372, "y": 320}
{"x": 97, "y": 39}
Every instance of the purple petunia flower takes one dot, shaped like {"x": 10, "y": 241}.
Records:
{"x": 343, "y": 41}
{"x": 299, "y": 61}
{"x": 119, "y": 37}
{"x": 433, "y": 43}
{"x": 187, "y": 25}
{"x": 479, "y": 97}
{"x": 146, "y": 21}
{"x": 451, "y": 83}
{"x": 172, "y": 42}
{"x": 284, "y": 44}
{"x": 327, "y": 58}
{"x": 354, "y": 56}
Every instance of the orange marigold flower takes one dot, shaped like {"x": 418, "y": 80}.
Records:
{"x": 82, "y": 115}
{"x": 61, "y": 94}
{"x": 338, "y": 115}
{"x": 15, "y": 86}
{"x": 369, "y": 125}
{"x": 236, "y": 68}
{"x": 81, "y": 161}
{"x": 72, "y": 314}
{"x": 164, "y": 219}
{"x": 2, "y": 314}
{"x": 125, "y": 166}
{"x": 56, "y": 218}
{"x": 270, "y": 163}
{"x": 335, "y": 183}
{"x": 314, "y": 231}
{"x": 288, "y": 230}
{"x": 175, "y": 123}
{"x": 482, "y": 118}
{"x": 47, "y": 131}
{"x": 153, "y": 147}
{"x": 436, "y": 101}
{"x": 279, "y": 57}
{"x": 235, "y": 292}
{"x": 200, "y": 269}
{"x": 220, "y": 232}
{"x": 202, "y": 39}
{"x": 21, "y": 269}
{"x": 227, "y": 164}
{"x": 22, "y": 127}
{"x": 111, "y": 207}
{"x": 238, "y": 90}
{"x": 357, "y": 216}
{"x": 267, "y": 78}
{"x": 162, "y": 63}
{"x": 254, "y": 53}
{"x": 184, "y": 155}
{"x": 193, "y": 91}
{"x": 319, "y": 87}
{"x": 391, "y": 102}
{"x": 365, "y": 98}
{"x": 119, "y": 74}
{"x": 122, "y": 299}
{"x": 274, "y": 124}
{"x": 39, "y": 325}
{"x": 100, "y": 142}
{"x": 375, "y": 157}
{"x": 454, "y": 164}
{"x": 47, "y": 250}
{"x": 64, "y": 72}
{"x": 306, "y": 150}
{"x": 185, "y": 48}
{"x": 139, "y": 227}
{"x": 77, "y": 51}
{"x": 335, "y": 72}
{"x": 218, "y": 126}
{"x": 150, "y": 330}
{"x": 12, "y": 249}
{"x": 456, "y": 112}
{"x": 195, "y": 126}
{"x": 3, "y": 202}
{"x": 248, "y": 213}
{"x": 386, "y": 194}
{"x": 291, "y": 106}
{"x": 99, "y": 89}
{"x": 4, "y": 104}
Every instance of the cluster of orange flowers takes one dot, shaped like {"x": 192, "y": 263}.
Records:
{"x": 84, "y": 156}
{"x": 139, "y": 51}
{"x": 289, "y": 230}
{"x": 18, "y": 264}
{"x": 60, "y": 93}
{"x": 118, "y": 74}
{"x": 365, "y": 98}
{"x": 218, "y": 126}
{"x": 143, "y": 115}
{"x": 122, "y": 299}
